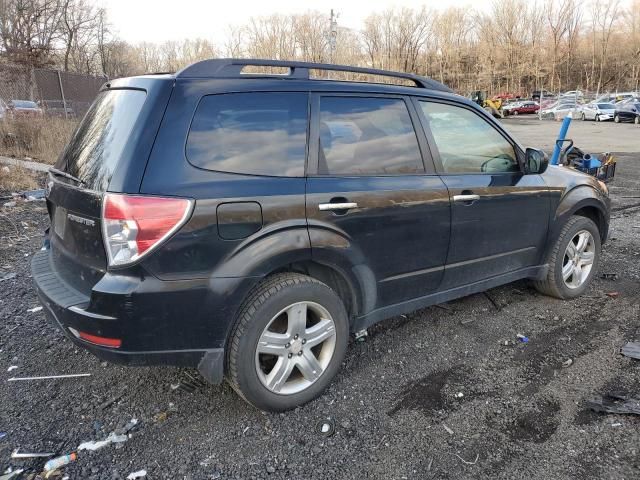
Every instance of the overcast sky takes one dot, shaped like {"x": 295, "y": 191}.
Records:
{"x": 156, "y": 21}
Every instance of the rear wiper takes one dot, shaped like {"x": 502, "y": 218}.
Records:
{"x": 60, "y": 173}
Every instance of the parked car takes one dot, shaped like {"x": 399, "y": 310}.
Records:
{"x": 617, "y": 97}
{"x": 23, "y": 108}
{"x": 598, "y": 111}
{"x": 244, "y": 225}
{"x": 628, "y": 111}
{"x": 537, "y": 94}
{"x": 522, "y": 108}
{"x": 560, "y": 110}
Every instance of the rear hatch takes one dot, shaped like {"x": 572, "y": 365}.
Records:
{"x": 81, "y": 176}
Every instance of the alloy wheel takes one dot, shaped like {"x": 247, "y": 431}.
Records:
{"x": 578, "y": 259}
{"x": 295, "y": 348}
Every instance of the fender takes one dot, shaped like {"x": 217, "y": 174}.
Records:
{"x": 332, "y": 247}
{"x": 577, "y": 198}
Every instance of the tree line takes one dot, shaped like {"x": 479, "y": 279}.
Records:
{"x": 514, "y": 46}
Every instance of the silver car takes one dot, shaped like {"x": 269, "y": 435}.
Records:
{"x": 599, "y": 112}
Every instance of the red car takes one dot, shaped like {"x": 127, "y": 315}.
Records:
{"x": 523, "y": 107}
{"x": 24, "y": 108}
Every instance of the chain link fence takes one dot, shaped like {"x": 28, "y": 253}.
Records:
{"x": 56, "y": 93}
{"x": 40, "y": 108}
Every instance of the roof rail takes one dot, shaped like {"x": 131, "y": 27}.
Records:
{"x": 232, "y": 68}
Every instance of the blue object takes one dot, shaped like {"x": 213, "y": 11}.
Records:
{"x": 561, "y": 136}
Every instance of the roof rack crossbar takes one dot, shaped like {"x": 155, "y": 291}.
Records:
{"x": 232, "y": 68}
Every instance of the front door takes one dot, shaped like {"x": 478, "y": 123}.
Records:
{"x": 368, "y": 185}
{"x": 499, "y": 215}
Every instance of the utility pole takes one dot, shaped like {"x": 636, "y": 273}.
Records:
{"x": 333, "y": 34}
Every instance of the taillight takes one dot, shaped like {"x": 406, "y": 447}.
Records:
{"x": 133, "y": 225}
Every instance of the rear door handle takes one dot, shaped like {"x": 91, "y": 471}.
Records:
{"x": 337, "y": 206}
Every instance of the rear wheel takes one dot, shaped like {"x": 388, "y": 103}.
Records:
{"x": 573, "y": 260}
{"x": 637, "y": 120}
{"x": 288, "y": 342}
{"x": 584, "y": 118}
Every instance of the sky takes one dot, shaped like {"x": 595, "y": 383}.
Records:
{"x": 160, "y": 20}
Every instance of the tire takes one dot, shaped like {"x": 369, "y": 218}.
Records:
{"x": 584, "y": 118}
{"x": 597, "y": 118}
{"x": 554, "y": 284}
{"x": 637, "y": 120}
{"x": 616, "y": 118}
{"x": 269, "y": 304}
{"x": 515, "y": 112}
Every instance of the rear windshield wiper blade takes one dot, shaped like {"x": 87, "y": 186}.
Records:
{"x": 60, "y": 173}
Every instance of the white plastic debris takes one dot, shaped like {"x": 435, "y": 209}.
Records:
{"x": 12, "y": 367}
{"x": 138, "y": 474}
{"x": 449, "y": 431}
{"x": 95, "y": 445}
{"x": 34, "y": 309}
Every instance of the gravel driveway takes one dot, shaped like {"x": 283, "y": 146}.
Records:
{"x": 446, "y": 392}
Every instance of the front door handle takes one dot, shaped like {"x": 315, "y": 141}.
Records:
{"x": 466, "y": 199}
{"x": 337, "y": 206}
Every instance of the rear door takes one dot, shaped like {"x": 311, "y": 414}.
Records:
{"x": 367, "y": 182}
{"x": 499, "y": 215}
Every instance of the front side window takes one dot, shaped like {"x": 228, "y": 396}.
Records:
{"x": 262, "y": 133}
{"x": 467, "y": 143}
{"x": 367, "y": 136}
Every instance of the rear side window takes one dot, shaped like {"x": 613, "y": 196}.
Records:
{"x": 92, "y": 154}
{"x": 367, "y": 136}
{"x": 251, "y": 133}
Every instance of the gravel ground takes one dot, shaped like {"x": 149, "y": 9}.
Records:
{"x": 446, "y": 392}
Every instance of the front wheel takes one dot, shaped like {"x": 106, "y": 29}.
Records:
{"x": 597, "y": 118}
{"x": 584, "y": 118}
{"x": 288, "y": 342}
{"x": 637, "y": 120}
{"x": 616, "y": 118}
{"x": 573, "y": 259}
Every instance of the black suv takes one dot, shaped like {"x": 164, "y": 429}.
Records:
{"x": 246, "y": 223}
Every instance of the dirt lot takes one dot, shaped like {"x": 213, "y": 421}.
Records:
{"x": 446, "y": 392}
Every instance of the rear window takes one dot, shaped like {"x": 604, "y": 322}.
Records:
{"x": 251, "y": 133}
{"x": 94, "y": 151}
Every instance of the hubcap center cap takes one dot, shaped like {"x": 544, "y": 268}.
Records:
{"x": 296, "y": 346}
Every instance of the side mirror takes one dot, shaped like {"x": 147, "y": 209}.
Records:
{"x": 536, "y": 161}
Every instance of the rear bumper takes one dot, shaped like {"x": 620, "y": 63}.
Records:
{"x": 73, "y": 312}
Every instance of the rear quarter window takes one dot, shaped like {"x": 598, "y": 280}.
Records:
{"x": 262, "y": 133}
{"x": 95, "y": 149}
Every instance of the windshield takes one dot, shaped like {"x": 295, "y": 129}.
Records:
{"x": 93, "y": 153}
{"x": 606, "y": 106}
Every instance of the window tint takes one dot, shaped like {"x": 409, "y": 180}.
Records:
{"x": 93, "y": 153}
{"x": 467, "y": 143}
{"x": 367, "y": 136}
{"x": 253, "y": 133}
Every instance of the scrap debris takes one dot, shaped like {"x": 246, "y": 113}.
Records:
{"x": 49, "y": 377}
{"x": 326, "y": 427}
{"x": 614, "y": 403}
{"x": 11, "y": 474}
{"x": 98, "y": 444}
{"x": 613, "y": 294}
{"x": 18, "y": 454}
{"x": 58, "y": 462}
{"x": 631, "y": 349}
{"x": 138, "y": 474}
{"x": 34, "y": 309}
{"x": 189, "y": 384}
